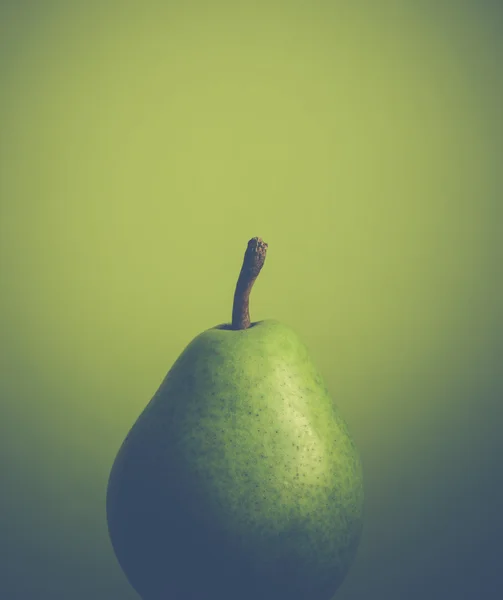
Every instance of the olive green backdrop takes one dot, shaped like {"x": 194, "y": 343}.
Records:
{"x": 141, "y": 145}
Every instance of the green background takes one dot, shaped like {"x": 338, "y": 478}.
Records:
{"x": 141, "y": 145}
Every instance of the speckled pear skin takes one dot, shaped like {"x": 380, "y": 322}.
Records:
{"x": 239, "y": 481}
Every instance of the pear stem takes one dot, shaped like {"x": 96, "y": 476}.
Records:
{"x": 252, "y": 264}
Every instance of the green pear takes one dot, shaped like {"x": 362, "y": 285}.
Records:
{"x": 239, "y": 480}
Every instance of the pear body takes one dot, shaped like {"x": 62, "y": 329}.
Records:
{"x": 239, "y": 481}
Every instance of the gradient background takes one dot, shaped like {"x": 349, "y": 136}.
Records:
{"x": 141, "y": 145}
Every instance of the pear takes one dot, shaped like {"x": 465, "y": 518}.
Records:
{"x": 239, "y": 480}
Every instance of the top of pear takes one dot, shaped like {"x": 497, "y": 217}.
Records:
{"x": 253, "y": 262}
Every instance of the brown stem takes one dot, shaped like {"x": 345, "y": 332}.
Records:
{"x": 252, "y": 264}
